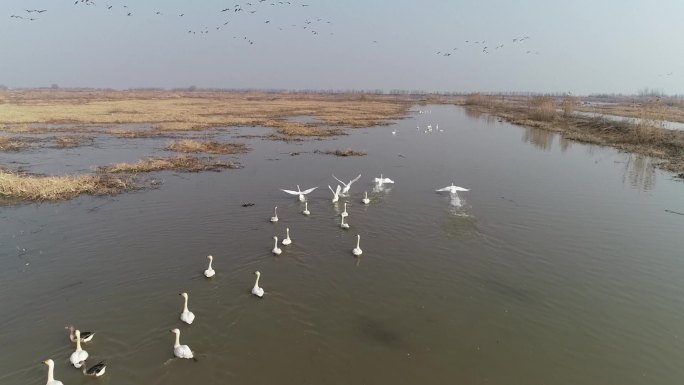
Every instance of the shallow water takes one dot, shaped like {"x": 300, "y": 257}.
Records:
{"x": 618, "y": 118}
{"x": 560, "y": 266}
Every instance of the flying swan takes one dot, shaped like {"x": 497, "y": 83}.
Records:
{"x": 380, "y": 181}
{"x": 347, "y": 186}
{"x": 300, "y": 192}
{"x": 336, "y": 193}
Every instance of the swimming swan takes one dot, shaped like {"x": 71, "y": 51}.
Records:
{"x": 344, "y": 213}
{"x": 306, "y": 209}
{"x": 336, "y": 193}
{"x": 79, "y": 354}
{"x": 186, "y": 316}
{"x": 357, "y": 250}
{"x": 94, "y": 371}
{"x": 274, "y": 218}
{"x": 300, "y": 192}
{"x": 180, "y": 351}
{"x": 365, "y": 199}
{"x": 347, "y": 186}
{"x": 276, "y": 250}
{"x": 51, "y": 373}
{"x": 256, "y": 290}
{"x": 209, "y": 272}
{"x": 344, "y": 225}
{"x": 380, "y": 181}
{"x": 287, "y": 239}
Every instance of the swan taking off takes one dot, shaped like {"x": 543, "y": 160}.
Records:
{"x": 94, "y": 371}
{"x": 276, "y": 250}
{"x": 336, "y": 193}
{"x": 306, "y": 209}
{"x": 287, "y": 239}
{"x": 186, "y": 316}
{"x": 347, "y": 186}
{"x": 357, "y": 250}
{"x": 51, "y": 373}
{"x": 300, "y": 192}
{"x": 274, "y": 218}
{"x": 256, "y": 290}
{"x": 452, "y": 189}
{"x": 380, "y": 181}
{"x": 79, "y": 355}
{"x": 344, "y": 225}
{"x": 344, "y": 213}
{"x": 85, "y": 336}
{"x": 365, "y": 199}
{"x": 209, "y": 272}
{"x": 180, "y": 351}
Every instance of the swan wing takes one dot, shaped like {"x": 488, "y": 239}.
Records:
{"x": 388, "y": 180}
{"x": 337, "y": 192}
{"x": 355, "y": 179}
{"x": 308, "y": 191}
{"x": 444, "y": 189}
{"x": 290, "y": 192}
{"x": 456, "y": 188}
{"x": 339, "y": 180}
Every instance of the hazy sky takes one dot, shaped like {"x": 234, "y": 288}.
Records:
{"x": 581, "y": 46}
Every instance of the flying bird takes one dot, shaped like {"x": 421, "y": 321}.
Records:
{"x": 299, "y": 192}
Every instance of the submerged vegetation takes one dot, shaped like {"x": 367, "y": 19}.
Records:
{"x": 179, "y": 163}
{"x": 644, "y": 135}
{"x": 345, "y": 152}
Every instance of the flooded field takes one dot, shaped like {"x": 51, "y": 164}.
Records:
{"x": 562, "y": 265}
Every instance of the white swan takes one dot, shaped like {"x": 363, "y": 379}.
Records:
{"x": 209, "y": 272}
{"x": 380, "y": 181}
{"x": 276, "y": 250}
{"x": 180, "y": 351}
{"x": 85, "y": 336}
{"x": 336, "y": 193}
{"x": 357, "y": 250}
{"x": 365, "y": 199}
{"x": 347, "y": 186}
{"x": 344, "y": 213}
{"x": 344, "y": 225}
{"x": 299, "y": 192}
{"x": 306, "y": 209}
{"x": 274, "y": 218}
{"x": 79, "y": 355}
{"x": 51, "y": 373}
{"x": 287, "y": 240}
{"x": 452, "y": 189}
{"x": 186, "y": 316}
{"x": 94, "y": 371}
{"x": 256, "y": 290}
{"x": 394, "y": 132}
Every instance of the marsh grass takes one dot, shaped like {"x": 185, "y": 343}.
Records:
{"x": 193, "y": 146}
{"x": 50, "y": 188}
{"x": 179, "y": 163}
{"x": 345, "y": 152}
{"x": 72, "y": 141}
{"x": 12, "y": 144}
{"x": 543, "y": 108}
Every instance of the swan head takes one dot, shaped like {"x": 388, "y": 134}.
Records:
{"x": 209, "y": 257}
{"x": 275, "y": 238}
{"x": 175, "y": 331}
{"x": 257, "y": 273}
{"x": 78, "y": 334}
{"x": 49, "y": 362}
{"x": 184, "y": 295}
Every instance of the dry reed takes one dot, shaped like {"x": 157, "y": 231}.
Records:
{"x": 345, "y": 152}
{"x": 180, "y": 163}
{"x": 50, "y": 188}
{"x": 190, "y": 146}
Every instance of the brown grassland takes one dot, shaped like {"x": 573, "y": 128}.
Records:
{"x": 191, "y": 145}
{"x": 179, "y": 163}
{"x": 18, "y": 186}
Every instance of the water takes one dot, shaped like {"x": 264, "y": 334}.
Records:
{"x": 561, "y": 265}
{"x": 617, "y": 118}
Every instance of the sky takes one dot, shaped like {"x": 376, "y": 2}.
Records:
{"x": 578, "y": 46}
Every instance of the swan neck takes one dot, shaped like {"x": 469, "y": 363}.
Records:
{"x": 185, "y": 305}
{"x": 177, "y": 344}
{"x": 210, "y": 261}
{"x": 51, "y": 372}
{"x": 287, "y": 230}
{"x": 78, "y": 342}
{"x": 256, "y": 284}
{"x": 358, "y": 241}
{"x": 275, "y": 246}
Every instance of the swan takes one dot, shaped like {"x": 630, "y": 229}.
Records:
{"x": 336, "y": 193}
{"x": 180, "y": 351}
{"x": 365, "y": 199}
{"x": 79, "y": 354}
{"x": 96, "y": 370}
{"x": 344, "y": 225}
{"x": 274, "y": 218}
{"x": 452, "y": 189}
{"x": 306, "y": 209}
{"x": 344, "y": 213}
{"x": 347, "y": 186}
{"x": 51, "y": 373}
{"x": 186, "y": 316}
{"x": 85, "y": 336}
{"x": 300, "y": 192}
{"x": 394, "y": 132}
{"x": 287, "y": 239}
{"x": 256, "y": 290}
{"x": 357, "y": 250}
{"x": 380, "y": 181}
{"x": 276, "y": 250}
{"x": 209, "y": 272}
